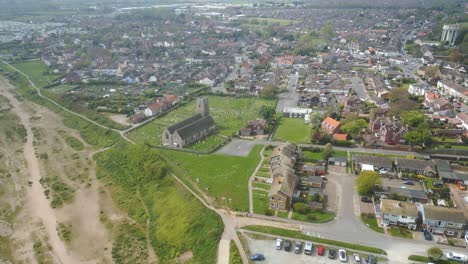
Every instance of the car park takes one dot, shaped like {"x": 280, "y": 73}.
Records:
{"x": 342, "y": 255}
{"x": 371, "y": 259}
{"x": 279, "y": 244}
{"x": 298, "y": 247}
{"x": 308, "y": 248}
{"x": 320, "y": 251}
{"x": 457, "y": 257}
{"x": 287, "y": 245}
{"x": 257, "y": 257}
{"x": 332, "y": 253}
{"x": 357, "y": 259}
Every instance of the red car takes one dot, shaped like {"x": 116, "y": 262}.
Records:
{"x": 320, "y": 250}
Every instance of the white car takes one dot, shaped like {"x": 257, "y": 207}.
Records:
{"x": 357, "y": 259}
{"x": 279, "y": 244}
{"x": 342, "y": 256}
{"x": 457, "y": 257}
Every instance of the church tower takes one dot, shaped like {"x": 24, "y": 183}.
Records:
{"x": 202, "y": 106}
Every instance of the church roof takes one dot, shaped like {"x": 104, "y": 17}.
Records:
{"x": 196, "y": 126}
{"x": 184, "y": 123}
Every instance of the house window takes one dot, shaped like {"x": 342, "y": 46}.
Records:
{"x": 272, "y": 205}
{"x": 280, "y": 199}
{"x": 272, "y": 198}
{"x": 403, "y": 217}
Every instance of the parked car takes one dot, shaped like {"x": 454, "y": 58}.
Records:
{"x": 320, "y": 251}
{"x": 408, "y": 182}
{"x": 332, "y": 253}
{"x": 279, "y": 244}
{"x": 427, "y": 235}
{"x": 457, "y": 257}
{"x": 287, "y": 245}
{"x": 357, "y": 259}
{"x": 366, "y": 199}
{"x": 371, "y": 259}
{"x": 308, "y": 248}
{"x": 342, "y": 255}
{"x": 257, "y": 257}
{"x": 298, "y": 247}
{"x": 437, "y": 183}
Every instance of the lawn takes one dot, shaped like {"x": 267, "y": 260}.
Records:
{"x": 314, "y": 216}
{"x": 283, "y": 214}
{"x": 37, "y": 71}
{"x": 260, "y": 185}
{"x": 400, "y": 232}
{"x": 318, "y": 155}
{"x": 140, "y": 186}
{"x": 234, "y": 256}
{"x": 293, "y": 130}
{"x": 230, "y": 115}
{"x": 260, "y": 201}
{"x": 219, "y": 175}
{"x": 371, "y": 222}
{"x": 297, "y": 234}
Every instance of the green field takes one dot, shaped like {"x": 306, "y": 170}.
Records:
{"x": 141, "y": 186}
{"x": 229, "y": 113}
{"x": 260, "y": 201}
{"x": 293, "y": 130}
{"x": 37, "y": 71}
{"x": 224, "y": 176}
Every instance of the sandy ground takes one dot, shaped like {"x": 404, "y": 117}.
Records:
{"x": 90, "y": 241}
{"x": 121, "y": 119}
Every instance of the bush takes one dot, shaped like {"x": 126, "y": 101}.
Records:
{"x": 301, "y": 208}
{"x": 435, "y": 253}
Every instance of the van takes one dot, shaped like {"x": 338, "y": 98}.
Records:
{"x": 279, "y": 244}
{"x": 308, "y": 248}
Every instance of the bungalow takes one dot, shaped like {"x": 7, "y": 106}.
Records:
{"x": 315, "y": 181}
{"x": 443, "y": 220}
{"x": 398, "y": 213}
{"x": 330, "y": 125}
{"x": 372, "y": 163}
{"x": 415, "y": 196}
{"x": 415, "y": 166}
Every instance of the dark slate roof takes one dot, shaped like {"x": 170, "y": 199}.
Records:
{"x": 453, "y": 176}
{"x": 373, "y": 160}
{"x": 443, "y": 165}
{"x": 446, "y": 214}
{"x": 315, "y": 179}
{"x": 184, "y": 123}
{"x": 195, "y": 127}
{"x": 414, "y": 164}
{"x": 313, "y": 191}
{"x": 417, "y": 194}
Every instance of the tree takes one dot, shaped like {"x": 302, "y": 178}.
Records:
{"x": 269, "y": 91}
{"x": 268, "y": 113}
{"x": 419, "y": 137}
{"x": 354, "y": 128}
{"x": 327, "y": 151}
{"x": 301, "y": 208}
{"x": 367, "y": 181}
{"x": 435, "y": 253}
{"x": 327, "y": 31}
{"x": 413, "y": 118}
{"x": 315, "y": 120}
{"x": 455, "y": 55}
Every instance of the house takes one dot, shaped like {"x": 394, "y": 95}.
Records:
{"x": 294, "y": 112}
{"x": 137, "y": 118}
{"x": 340, "y": 137}
{"x": 330, "y": 126}
{"x": 463, "y": 118}
{"x": 454, "y": 90}
{"x": 446, "y": 221}
{"x": 418, "y": 89}
{"x": 315, "y": 181}
{"x": 415, "y": 196}
{"x": 398, "y": 213}
{"x": 446, "y": 172}
{"x": 423, "y": 167}
{"x": 207, "y": 81}
{"x": 388, "y": 130}
{"x": 372, "y": 163}
{"x": 442, "y": 104}
{"x": 284, "y": 180}
{"x": 254, "y": 127}
{"x": 192, "y": 129}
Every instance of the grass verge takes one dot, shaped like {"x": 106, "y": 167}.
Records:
{"x": 400, "y": 232}
{"x": 299, "y": 235}
{"x": 314, "y": 216}
{"x": 234, "y": 257}
{"x": 371, "y": 222}
{"x": 427, "y": 260}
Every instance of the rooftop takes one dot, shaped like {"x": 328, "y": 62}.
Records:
{"x": 398, "y": 208}
{"x": 444, "y": 214}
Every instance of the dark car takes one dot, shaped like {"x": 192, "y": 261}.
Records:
{"x": 257, "y": 257}
{"x": 366, "y": 199}
{"x": 287, "y": 245}
{"x": 408, "y": 182}
{"x": 298, "y": 247}
{"x": 371, "y": 259}
{"x": 332, "y": 253}
{"x": 437, "y": 183}
{"x": 427, "y": 235}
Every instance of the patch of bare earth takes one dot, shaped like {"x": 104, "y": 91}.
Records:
{"x": 186, "y": 256}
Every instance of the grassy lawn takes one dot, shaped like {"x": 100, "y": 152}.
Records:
{"x": 400, "y": 232}
{"x": 427, "y": 260}
{"x": 224, "y": 176}
{"x": 37, "y": 71}
{"x": 293, "y": 130}
{"x": 260, "y": 185}
{"x": 314, "y": 217}
{"x": 208, "y": 144}
{"x": 260, "y": 201}
{"x": 310, "y": 155}
{"x": 283, "y": 214}
{"x": 460, "y": 147}
{"x": 371, "y": 222}
{"x": 299, "y": 235}
{"x": 179, "y": 222}
{"x": 229, "y": 113}
{"x": 234, "y": 256}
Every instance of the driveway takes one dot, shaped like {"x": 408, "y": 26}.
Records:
{"x": 399, "y": 184}
{"x": 238, "y": 147}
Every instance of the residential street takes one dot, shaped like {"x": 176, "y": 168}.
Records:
{"x": 360, "y": 88}
{"x": 289, "y": 98}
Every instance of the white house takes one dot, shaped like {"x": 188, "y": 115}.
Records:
{"x": 453, "y": 89}
{"x": 443, "y": 220}
{"x": 295, "y": 112}
{"x": 398, "y": 213}
{"x": 418, "y": 89}
{"x": 463, "y": 119}
{"x": 207, "y": 81}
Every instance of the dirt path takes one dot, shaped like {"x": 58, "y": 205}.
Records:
{"x": 36, "y": 201}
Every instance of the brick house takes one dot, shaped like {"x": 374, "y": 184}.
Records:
{"x": 330, "y": 126}
{"x": 387, "y": 130}
{"x": 254, "y": 127}
{"x": 446, "y": 221}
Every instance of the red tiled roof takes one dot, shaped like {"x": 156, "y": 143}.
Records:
{"x": 331, "y": 122}
{"x": 341, "y": 137}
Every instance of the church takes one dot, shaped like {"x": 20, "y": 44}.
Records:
{"x": 192, "y": 129}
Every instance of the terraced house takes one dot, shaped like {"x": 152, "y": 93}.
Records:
{"x": 285, "y": 180}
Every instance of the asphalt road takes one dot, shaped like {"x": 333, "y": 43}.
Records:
{"x": 289, "y": 98}
{"x": 359, "y": 87}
